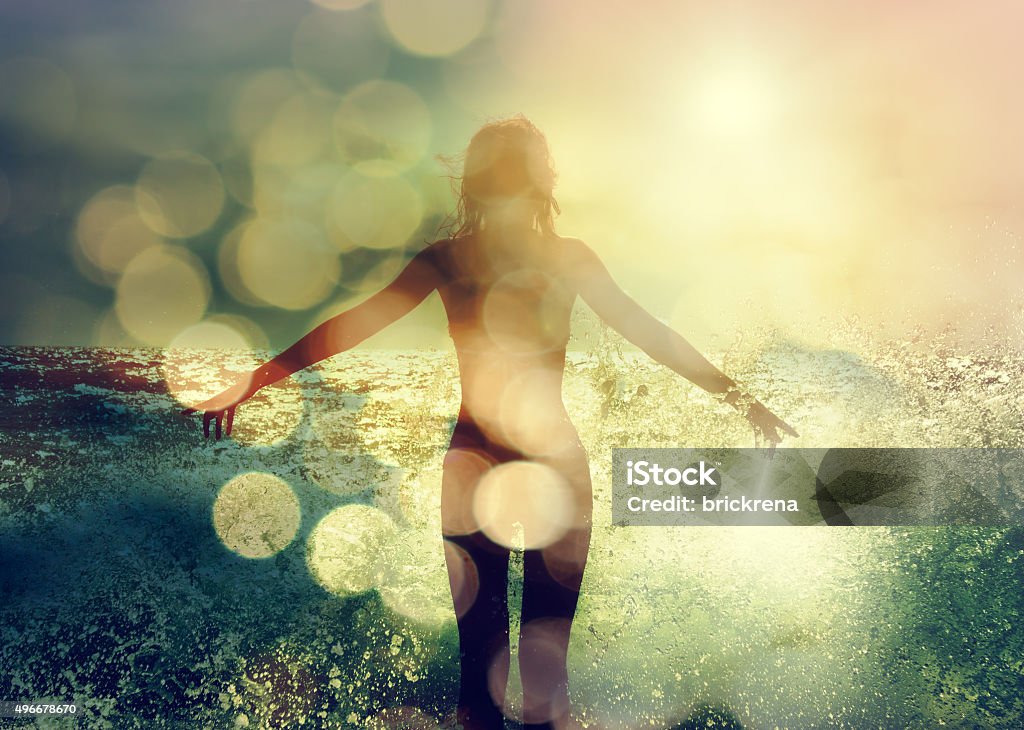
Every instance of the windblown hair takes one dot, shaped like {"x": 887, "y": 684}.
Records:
{"x": 505, "y": 159}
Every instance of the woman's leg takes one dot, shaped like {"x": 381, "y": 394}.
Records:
{"x": 483, "y": 626}
{"x": 551, "y": 584}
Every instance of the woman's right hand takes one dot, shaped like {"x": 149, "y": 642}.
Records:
{"x": 221, "y": 409}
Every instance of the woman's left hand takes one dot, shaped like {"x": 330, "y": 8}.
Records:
{"x": 221, "y": 410}
{"x": 224, "y": 418}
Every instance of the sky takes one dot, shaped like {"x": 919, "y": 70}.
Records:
{"x": 230, "y": 172}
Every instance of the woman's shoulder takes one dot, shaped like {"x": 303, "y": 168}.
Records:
{"x": 445, "y": 254}
{"x": 574, "y": 251}
{"x": 445, "y": 248}
{"x": 436, "y": 248}
{"x": 453, "y": 242}
{"x": 572, "y": 244}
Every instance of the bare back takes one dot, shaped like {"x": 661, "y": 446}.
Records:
{"x": 509, "y": 306}
{"x": 509, "y": 309}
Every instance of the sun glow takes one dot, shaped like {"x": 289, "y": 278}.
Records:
{"x": 735, "y": 102}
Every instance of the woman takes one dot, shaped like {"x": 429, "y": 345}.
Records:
{"x": 508, "y": 284}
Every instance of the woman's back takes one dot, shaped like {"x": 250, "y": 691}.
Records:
{"x": 509, "y": 300}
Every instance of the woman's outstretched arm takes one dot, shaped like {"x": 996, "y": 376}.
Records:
{"x": 623, "y": 314}
{"x": 340, "y": 333}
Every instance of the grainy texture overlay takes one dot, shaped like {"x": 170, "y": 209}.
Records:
{"x": 294, "y": 574}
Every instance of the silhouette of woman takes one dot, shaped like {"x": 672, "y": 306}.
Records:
{"x": 516, "y": 474}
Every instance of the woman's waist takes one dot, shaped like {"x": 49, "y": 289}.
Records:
{"x": 521, "y": 435}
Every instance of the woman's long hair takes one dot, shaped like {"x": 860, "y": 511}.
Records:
{"x": 508, "y": 158}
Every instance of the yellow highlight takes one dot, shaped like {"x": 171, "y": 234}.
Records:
{"x": 212, "y": 335}
{"x": 526, "y": 418}
{"x": 300, "y": 191}
{"x": 227, "y": 266}
{"x": 437, "y": 28}
{"x": 256, "y": 514}
{"x": 163, "y": 290}
{"x": 193, "y": 380}
{"x": 298, "y": 133}
{"x": 287, "y": 263}
{"x": 523, "y": 504}
{"x": 345, "y": 552}
{"x": 219, "y": 352}
{"x": 179, "y": 194}
{"x": 524, "y": 312}
{"x": 381, "y": 213}
{"x": 258, "y": 99}
{"x": 124, "y": 239}
{"x": 415, "y": 580}
{"x": 417, "y": 497}
{"x": 382, "y": 128}
{"x": 736, "y": 102}
{"x": 109, "y": 231}
{"x": 340, "y": 4}
{"x": 382, "y": 273}
{"x": 251, "y": 333}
